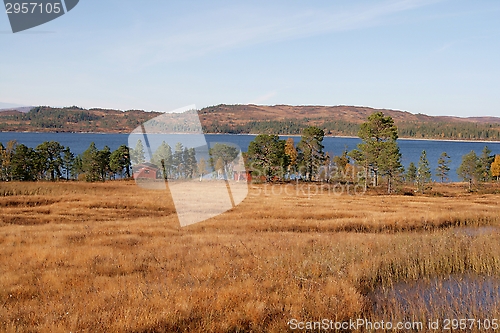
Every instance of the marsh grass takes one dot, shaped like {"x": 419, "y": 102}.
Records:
{"x": 112, "y": 258}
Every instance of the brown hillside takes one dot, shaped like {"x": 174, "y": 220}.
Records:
{"x": 276, "y": 119}
{"x": 357, "y": 114}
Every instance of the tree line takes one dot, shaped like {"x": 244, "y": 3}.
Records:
{"x": 419, "y": 130}
{"x": 376, "y": 159}
{"x": 181, "y": 162}
{"x": 52, "y": 161}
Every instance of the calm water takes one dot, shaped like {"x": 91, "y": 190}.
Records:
{"x": 410, "y": 149}
{"x": 456, "y": 296}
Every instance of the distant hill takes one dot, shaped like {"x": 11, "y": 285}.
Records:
{"x": 355, "y": 114}
{"x": 72, "y": 119}
{"x": 240, "y": 119}
{"x": 342, "y": 121}
{"x": 23, "y": 109}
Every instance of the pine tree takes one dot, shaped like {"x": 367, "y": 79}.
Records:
{"x": 119, "y": 161}
{"x": 177, "y": 161}
{"x": 310, "y": 150}
{"x": 137, "y": 155}
{"x": 470, "y": 170}
{"x": 411, "y": 173}
{"x": 224, "y": 153}
{"x": 390, "y": 164}
{"x": 77, "y": 168}
{"x": 50, "y": 157}
{"x": 163, "y": 157}
{"x": 24, "y": 163}
{"x": 361, "y": 160}
{"x": 190, "y": 165}
{"x": 443, "y": 169}
{"x": 423, "y": 172}
{"x": 90, "y": 163}
{"x": 485, "y": 161}
{"x": 68, "y": 160}
{"x": 103, "y": 157}
{"x": 378, "y": 151}
{"x": 266, "y": 156}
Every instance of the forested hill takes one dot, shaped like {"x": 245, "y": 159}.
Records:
{"x": 73, "y": 119}
{"x": 241, "y": 119}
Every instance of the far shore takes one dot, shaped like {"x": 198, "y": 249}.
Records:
{"x": 254, "y": 134}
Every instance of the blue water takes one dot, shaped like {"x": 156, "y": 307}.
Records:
{"x": 410, "y": 149}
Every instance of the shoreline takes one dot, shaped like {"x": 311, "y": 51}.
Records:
{"x": 254, "y": 134}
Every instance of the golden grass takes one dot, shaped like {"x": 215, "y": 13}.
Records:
{"x": 112, "y": 258}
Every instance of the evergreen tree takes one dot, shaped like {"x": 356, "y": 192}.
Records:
{"x": 90, "y": 163}
{"x": 423, "y": 172}
{"x": 137, "y": 155}
{"x": 266, "y": 156}
{"x": 361, "y": 160}
{"x": 189, "y": 162}
{"x": 225, "y": 154}
{"x": 389, "y": 164}
{"x": 177, "y": 160}
{"x": 310, "y": 150}
{"x": 119, "y": 161}
{"x": 485, "y": 161}
{"x": 50, "y": 155}
{"x": 470, "y": 170}
{"x": 103, "y": 157}
{"x": 77, "y": 168}
{"x": 411, "y": 173}
{"x": 443, "y": 169}
{"x": 24, "y": 163}
{"x": 68, "y": 160}
{"x": 163, "y": 158}
{"x": 378, "y": 150}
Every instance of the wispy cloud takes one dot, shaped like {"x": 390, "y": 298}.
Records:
{"x": 240, "y": 26}
{"x": 446, "y": 46}
{"x": 263, "y": 98}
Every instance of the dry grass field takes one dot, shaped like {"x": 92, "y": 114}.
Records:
{"x": 111, "y": 257}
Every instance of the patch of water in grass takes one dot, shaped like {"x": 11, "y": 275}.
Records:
{"x": 456, "y": 296}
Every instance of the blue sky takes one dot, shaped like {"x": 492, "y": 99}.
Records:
{"x": 438, "y": 57}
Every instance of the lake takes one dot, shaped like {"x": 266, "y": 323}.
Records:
{"x": 410, "y": 149}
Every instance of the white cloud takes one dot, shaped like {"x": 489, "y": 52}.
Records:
{"x": 208, "y": 32}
